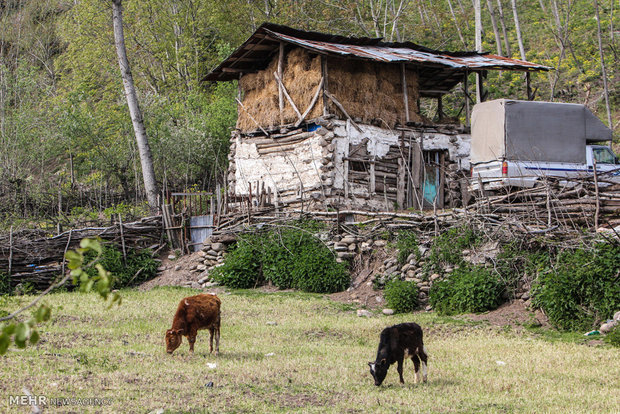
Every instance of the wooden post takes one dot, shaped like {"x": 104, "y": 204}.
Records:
{"x": 400, "y": 184}
{"x": 372, "y": 183}
{"x": 346, "y": 160}
{"x": 439, "y": 107}
{"x": 403, "y": 76}
{"x": 280, "y": 84}
{"x": 10, "y": 250}
{"x": 598, "y": 200}
{"x": 120, "y": 223}
{"x": 528, "y": 87}
{"x": 466, "y": 92}
{"x": 325, "y": 84}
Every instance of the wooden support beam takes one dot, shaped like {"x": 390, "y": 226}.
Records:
{"x": 400, "y": 184}
{"x": 403, "y": 75}
{"x": 466, "y": 93}
{"x": 325, "y": 84}
{"x": 315, "y": 98}
{"x": 339, "y": 105}
{"x": 280, "y": 85}
{"x": 371, "y": 182}
{"x": 285, "y": 92}
{"x": 234, "y": 70}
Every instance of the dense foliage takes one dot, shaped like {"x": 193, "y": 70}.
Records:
{"x": 467, "y": 289}
{"x": 137, "y": 267}
{"x": 613, "y": 337}
{"x": 5, "y": 284}
{"x": 407, "y": 244}
{"x": 66, "y": 138}
{"x": 447, "y": 248}
{"x": 582, "y": 287}
{"x": 401, "y": 296}
{"x": 287, "y": 257}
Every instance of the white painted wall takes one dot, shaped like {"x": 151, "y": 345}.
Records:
{"x": 282, "y": 171}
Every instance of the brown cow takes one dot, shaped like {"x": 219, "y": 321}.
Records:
{"x": 195, "y": 313}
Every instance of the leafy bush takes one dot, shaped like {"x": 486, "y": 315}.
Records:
{"x": 583, "y": 287}
{"x": 287, "y": 257}
{"x": 447, "y": 248}
{"x": 137, "y": 268}
{"x": 407, "y": 243}
{"x": 613, "y": 337}
{"x": 401, "y": 296}
{"x": 467, "y": 289}
{"x": 5, "y": 284}
{"x": 242, "y": 267}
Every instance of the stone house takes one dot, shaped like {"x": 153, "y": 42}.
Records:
{"x": 335, "y": 122}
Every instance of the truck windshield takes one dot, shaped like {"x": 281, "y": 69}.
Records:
{"x": 603, "y": 156}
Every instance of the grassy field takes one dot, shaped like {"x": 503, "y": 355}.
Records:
{"x": 313, "y": 360}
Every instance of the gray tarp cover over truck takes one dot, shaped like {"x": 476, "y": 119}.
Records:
{"x": 533, "y": 131}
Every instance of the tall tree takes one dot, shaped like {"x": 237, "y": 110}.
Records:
{"x": 500, "y": 11}
{"x": 498, "y": 39}
{"x": 146, "y": 158}
{"x": 602, "y": 56}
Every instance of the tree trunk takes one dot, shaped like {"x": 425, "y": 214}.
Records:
{"x": 604, "y": 70}
{"x": 500, "y": 11}
{"x": 146, "y": 159}
{"x": 478, "y": 15}
{"x": 457, "y": 25}
{"x": 518, "y": 28}
{"x": 498, "y": 39}
{"x": 528, "y": 86}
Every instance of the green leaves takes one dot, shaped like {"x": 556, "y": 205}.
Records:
{"x": 287, "y": 257}
{"x": 401, "y": 296}
{"x": 582, "y": 287}
{"x": 467, "y": 289}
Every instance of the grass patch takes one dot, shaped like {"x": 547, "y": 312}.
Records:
{"x": 313, "y": 360}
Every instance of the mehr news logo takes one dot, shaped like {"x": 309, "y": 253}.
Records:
{"x": 43, "y": 400}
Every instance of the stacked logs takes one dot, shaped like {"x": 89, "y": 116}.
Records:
{"x": 32, "y": 256}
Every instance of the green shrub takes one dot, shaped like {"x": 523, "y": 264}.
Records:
{"x": 582, "y": 288}
{"x": 242, "y": 267}
{"x": 287, "y": 257}
{"x": 138, "y": 267}
{"x": 447, "y": 248}
{"x": 407, "y": 243}
{"x": 5, "y": 284}
{"x": 467, "y": 289}
{"x": 613, "y": 337}
{"x": 401, "y": 296}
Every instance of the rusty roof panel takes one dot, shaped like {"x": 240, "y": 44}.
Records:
{"x": 360, "y": 48}
{"x": 400, "y": 54}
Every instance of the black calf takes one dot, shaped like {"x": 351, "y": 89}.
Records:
{"x": 397, "y": 343}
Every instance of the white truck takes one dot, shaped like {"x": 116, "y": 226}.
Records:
{"x": 519, "y": 143}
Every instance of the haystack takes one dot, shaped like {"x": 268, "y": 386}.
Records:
{"x": 301, "y": 77}
{"x": 369, "y": 91}
{"x": 372, "y": 91}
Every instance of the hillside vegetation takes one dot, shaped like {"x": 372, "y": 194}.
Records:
{"x": 66, "y": 140}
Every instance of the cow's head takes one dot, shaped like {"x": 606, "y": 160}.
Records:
{"x": 173, "y": 339}
{"x": 379, "y": 370}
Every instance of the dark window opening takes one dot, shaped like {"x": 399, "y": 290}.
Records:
{"x": 358, "y": 166}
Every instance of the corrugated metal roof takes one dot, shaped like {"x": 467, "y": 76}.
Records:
{"x": 402, "y": 54}
{"x": 256, "y": 52}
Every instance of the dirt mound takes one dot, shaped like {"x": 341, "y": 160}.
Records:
{"x": 514, "y": 313}
{"x": 180, "y": 271}
{"x": 361, "y": 291}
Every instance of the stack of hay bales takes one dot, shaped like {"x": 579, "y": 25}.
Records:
{"x": 372, "y": 92}
{"x": 301, "y": 77}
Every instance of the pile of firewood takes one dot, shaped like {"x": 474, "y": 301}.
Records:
{"x": 32, "y": 256}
